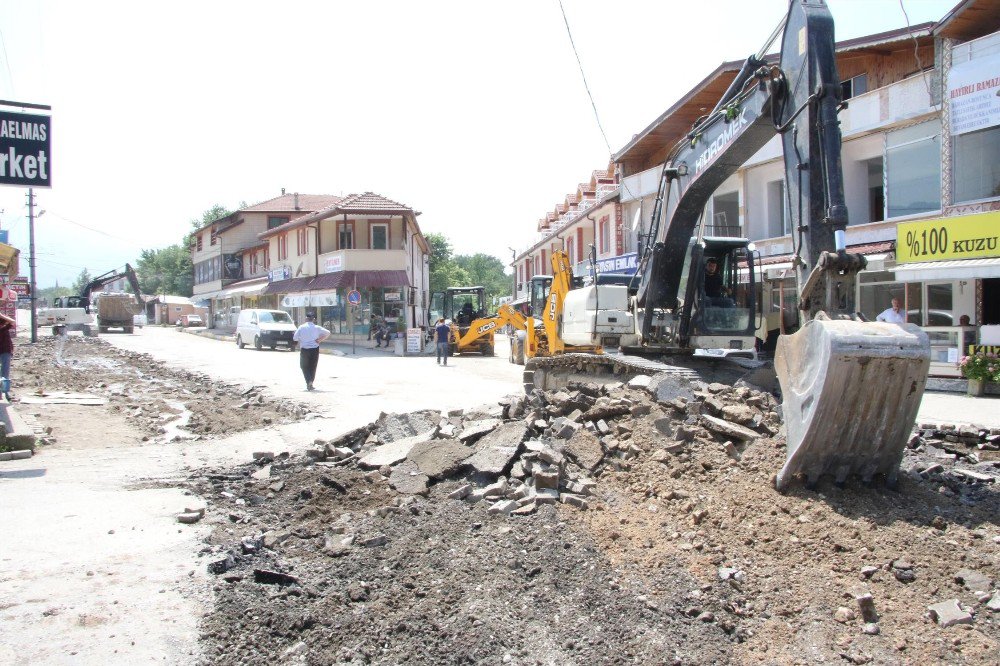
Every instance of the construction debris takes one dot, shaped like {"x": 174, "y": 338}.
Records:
{"x": 464, "y": 534}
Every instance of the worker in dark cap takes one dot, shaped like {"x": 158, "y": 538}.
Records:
{"x": 308, "y": 336}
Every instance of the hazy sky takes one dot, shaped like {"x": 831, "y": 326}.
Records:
{"x": 472, "y": 112}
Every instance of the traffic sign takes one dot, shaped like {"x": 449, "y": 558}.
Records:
{"x": 354, "y": 297}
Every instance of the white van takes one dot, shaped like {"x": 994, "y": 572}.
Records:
{"x": 265, "y": 328}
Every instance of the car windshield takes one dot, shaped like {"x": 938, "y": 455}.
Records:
{"x": 274, "y": 318}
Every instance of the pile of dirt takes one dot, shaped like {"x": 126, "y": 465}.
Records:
{"x": 157, "y": 402}
{"x": 625, "y": 523}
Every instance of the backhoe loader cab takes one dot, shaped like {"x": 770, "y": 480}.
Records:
{"x": 463, "y": 306}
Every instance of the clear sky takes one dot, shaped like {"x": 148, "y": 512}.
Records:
{"x": 473, "y": 113}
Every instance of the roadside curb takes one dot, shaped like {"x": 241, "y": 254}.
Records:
{"x": 17, "y": 434}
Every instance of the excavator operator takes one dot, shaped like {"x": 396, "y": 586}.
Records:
{"x": 714, "y": 289}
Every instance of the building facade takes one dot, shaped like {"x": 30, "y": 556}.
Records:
{"x": 231, "y": 262}
{"x": 363, "y": 243}
{"x": 587, "y": 223}
{"x": 907, "y": 173}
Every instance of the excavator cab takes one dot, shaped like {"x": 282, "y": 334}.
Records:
{"x": 721, "y": 287}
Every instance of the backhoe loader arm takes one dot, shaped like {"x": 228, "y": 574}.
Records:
{"x": 480, "y": 327}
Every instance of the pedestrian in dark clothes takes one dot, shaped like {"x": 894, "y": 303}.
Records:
{"x": 443, "y": 333}
{"x": 309, "y": 335}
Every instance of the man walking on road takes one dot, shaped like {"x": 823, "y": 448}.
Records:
{"x": 443, "y": 332}
{"x": 309, "y": 335}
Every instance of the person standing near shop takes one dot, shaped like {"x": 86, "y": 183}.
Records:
{"x": 893, "y": 315}
{"x": 443, "y": 332}
{"x": 309, "y": 335}
{"x": 6, "y": 345}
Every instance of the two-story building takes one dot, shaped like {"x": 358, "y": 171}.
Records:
{"x": 590, "y": 217}
{"x": 364, "y": 243}
{"x": 921, "y": 158}
{"x": 230, "y": 260}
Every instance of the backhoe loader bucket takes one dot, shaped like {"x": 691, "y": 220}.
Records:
{"x": 851, "y": 392}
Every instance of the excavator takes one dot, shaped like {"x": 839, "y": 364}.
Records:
{"x": 850, "y": 388}
{"x": 77, "y": 313}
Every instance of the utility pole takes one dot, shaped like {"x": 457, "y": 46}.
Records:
{"x": 31, "y": 264}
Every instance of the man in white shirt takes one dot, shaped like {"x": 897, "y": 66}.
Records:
{"x": 893, "y": 315}
{"x": 309, "y": 335}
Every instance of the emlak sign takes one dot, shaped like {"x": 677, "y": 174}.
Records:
{"x": 25, "y": 150}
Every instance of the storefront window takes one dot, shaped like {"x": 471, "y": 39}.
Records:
{"x": 878, "y": 296}
{"x": 977, "y": 165}
{"x": 939, "y": 305}
{"x": 913, "y": 169}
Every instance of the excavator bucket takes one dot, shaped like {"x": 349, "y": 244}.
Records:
{"x": 851, "y": 391}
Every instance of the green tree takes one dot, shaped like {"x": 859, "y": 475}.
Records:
{"x": 167, "y": 270}
{"x": 214, "y": 213}
{"x": 487, "y": 271}
{"x": 81, "y": 281}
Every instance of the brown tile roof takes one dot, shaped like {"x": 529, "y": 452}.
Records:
{"x": 369, "y": 201}
{"x": 286, "y": 203}
{"x": 366, "y": 202}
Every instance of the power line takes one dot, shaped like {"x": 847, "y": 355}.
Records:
{"x": 84, "y": 226}
{"x": 584, "y": 76}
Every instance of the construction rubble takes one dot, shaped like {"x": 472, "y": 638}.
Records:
{"x": 624, "y": 523}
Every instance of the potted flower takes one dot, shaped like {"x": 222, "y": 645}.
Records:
{"x": 980, "y": 368}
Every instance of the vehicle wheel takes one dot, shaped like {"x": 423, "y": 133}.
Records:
{"x": 102, "y": 329}
{"x": 257, "y": 344}
{"x": 292, "y": 346}
{"x": 128, "y": 329}
{"x": 488, "y": 350}
{"x": 239, "y": 342}
{"x": 274, "y": 346}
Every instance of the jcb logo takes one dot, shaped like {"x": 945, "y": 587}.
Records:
{"x": 487, "y": 327}
{"x": 552, "y": 310}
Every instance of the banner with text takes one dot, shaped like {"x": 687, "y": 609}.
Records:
{"x": 960, "y": 237}
{"x": 972, "y": 94}
{"x": 25, "y": 153}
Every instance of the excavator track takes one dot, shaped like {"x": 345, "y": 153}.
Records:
{"x": 553, "y": 372}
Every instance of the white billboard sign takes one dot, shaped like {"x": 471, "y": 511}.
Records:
{"x": 972, "y": 94}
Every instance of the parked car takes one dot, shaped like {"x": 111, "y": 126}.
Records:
{"x": 139, "y": 320}
{"x": 192, "y": 320}
{"x": 265, "y": 328}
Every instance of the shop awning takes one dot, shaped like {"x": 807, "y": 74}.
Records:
{"x": 963, "y": 269}
{"x": 244, "y": 289}
{"x": 292, "y": 286}
{"x": 340, "y": 280}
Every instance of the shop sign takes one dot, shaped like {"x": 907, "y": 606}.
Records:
{"x": 393, "y": 296}
{"x": 625, "y": 263}
{"x": 324, "y": 300}
{"x": 25, "y": 147}
{"x": 984, "y": 349}
{"x": 295, "y": 301}
{"x": 280, "y": 273}
{"x": 964, "y": 237}
{"x": 334, "y": 263}
{"x": 414, "y": 339}
{"x": 973, "y": 89}
{"x": 232, "y": 266}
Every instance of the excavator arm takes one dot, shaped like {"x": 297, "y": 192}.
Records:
{"x": 851, "y": 389}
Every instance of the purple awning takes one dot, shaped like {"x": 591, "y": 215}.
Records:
{"x": 341, "y": 280}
